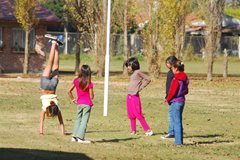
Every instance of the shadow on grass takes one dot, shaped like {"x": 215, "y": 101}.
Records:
{"x": 209, "y": 142}
{"x": 33, "y": 154}
{"x": 104, "y": 131}
{"x": 205, "y": 136}
{"x": 115, "y": 140}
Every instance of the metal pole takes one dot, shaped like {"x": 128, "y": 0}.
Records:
{"x": 106, "y": 75}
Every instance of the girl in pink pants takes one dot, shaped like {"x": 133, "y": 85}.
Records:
{"x": 138, "y": 81}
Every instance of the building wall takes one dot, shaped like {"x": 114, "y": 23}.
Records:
{"x": 12, "y": 61}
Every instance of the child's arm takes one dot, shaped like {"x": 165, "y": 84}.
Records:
{"x": 70, "y": 93}
{"x": 91, "y": 93}
{"x": 146, "y": 80}
{"x": 172, "y": 90}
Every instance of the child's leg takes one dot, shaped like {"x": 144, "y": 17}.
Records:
{"x": 78, "y": 121}
{"x": 48, "y": 69}
{"x": 170, "y": 120}
{"x": 61, "y": 122}
{"x": 130, "y": 111}
{"x": 133, "y": 125}
{"x": 84, "y": 121}
{"x": 138, "y": 113}
{"x": 177, "y": 121}
{"x": 55, "y": 67}
{"x": 42, "y": 117}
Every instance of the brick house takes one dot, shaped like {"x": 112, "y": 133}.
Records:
{"x": 12, "y": 39}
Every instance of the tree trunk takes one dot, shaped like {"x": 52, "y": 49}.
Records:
{"x": 77, "y": 55}
{"x": 101, "y": 43}
{"x": 152, "y": 46}
{"x": 26, "y": 53}
{"x": 126, "y": 53}
{"x": 180, "y": 36}
{"x": 214, "y": 18}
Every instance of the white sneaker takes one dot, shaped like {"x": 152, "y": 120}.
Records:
{"x": 50, "y": 36}
{"x": 149, "y": 133}
{"x": 74, "y": 139}
{"x": 83, "y": 141}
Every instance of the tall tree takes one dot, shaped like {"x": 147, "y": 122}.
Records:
{"x": 213, "y": 14}
{"x": 172, "y": 15}
{"x": 24, "y": 11}
{"x": 152, "y": 40}
{"x": 126, "y": 52}
{"x": 81, "y": 13}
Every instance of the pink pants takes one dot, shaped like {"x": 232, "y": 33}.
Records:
{"x": 134, "y": 110}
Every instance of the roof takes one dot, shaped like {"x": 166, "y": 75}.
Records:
{"x": 44, "y": 15}
{"x": 196, "y": 25}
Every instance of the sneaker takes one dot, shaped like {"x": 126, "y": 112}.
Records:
{"x": 74, "y": 139}
{"x": 83, "y": 141}
{"x": 149, "y": 133}
{"x": 53, "y": 39}
{"x": 50, "y": 36}
{"x": 167, "y": 136}
{"x": 133, "y": 133}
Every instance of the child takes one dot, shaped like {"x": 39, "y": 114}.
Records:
{"x": 84, "y": 88}
{"x": 48, "y": 85}
{"x": 176, "y": 99}
{"x": 138, "y": 81}
{"x": 169, "y": 62}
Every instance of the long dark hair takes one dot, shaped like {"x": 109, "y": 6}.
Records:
{"x": 84, "y": 77}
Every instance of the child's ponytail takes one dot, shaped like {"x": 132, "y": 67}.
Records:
{"x": 179, "y": 65}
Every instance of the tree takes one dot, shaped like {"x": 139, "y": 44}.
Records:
{"x": 165, "y": 32}
{"x": 24, "y": 11}
{"x": 100, "y": 16}
{"x": 213, "y": 14}
{"x": 172, "y": 15}
{"x": 56, "y": 6}
{"x": 126, "y": 52}
{"x": 152, "y": 40}
{"x": 81, "y": 13}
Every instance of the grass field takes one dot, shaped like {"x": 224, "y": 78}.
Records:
{"x": 211, "y": 122}
{"x": 199, "y": 66}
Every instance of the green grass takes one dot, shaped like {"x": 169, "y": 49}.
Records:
{"x": 234, "y": 12}
{"x": 211, "y": 122}
{"x": 199, "y": 66}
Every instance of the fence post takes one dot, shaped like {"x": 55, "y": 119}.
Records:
{"x": 66, "y": 43}
{"x": 239, "y": 47}
{"x": 225, "y": 68}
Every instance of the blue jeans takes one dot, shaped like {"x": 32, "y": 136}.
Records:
{"x": 170, "y": 120}
{"x": 177, "y": 109}
{"x": 80, "y": 126}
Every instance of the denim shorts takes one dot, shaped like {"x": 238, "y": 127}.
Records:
{"x": 48, "y": 83}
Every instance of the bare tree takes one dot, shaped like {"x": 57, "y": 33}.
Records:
{"x": 213, "y": 13}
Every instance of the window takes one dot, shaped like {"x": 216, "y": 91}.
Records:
{"x": 18, "y": 39}
{"x": 1, "y": 39}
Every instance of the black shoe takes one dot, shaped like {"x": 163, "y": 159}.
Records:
{"x": 167, "y": 136}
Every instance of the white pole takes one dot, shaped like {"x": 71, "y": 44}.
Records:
{"x": 106, "y": 76}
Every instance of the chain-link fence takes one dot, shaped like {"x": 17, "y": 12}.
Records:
{"x": 231, "y": 43}
{"x": 136, "y": 44}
